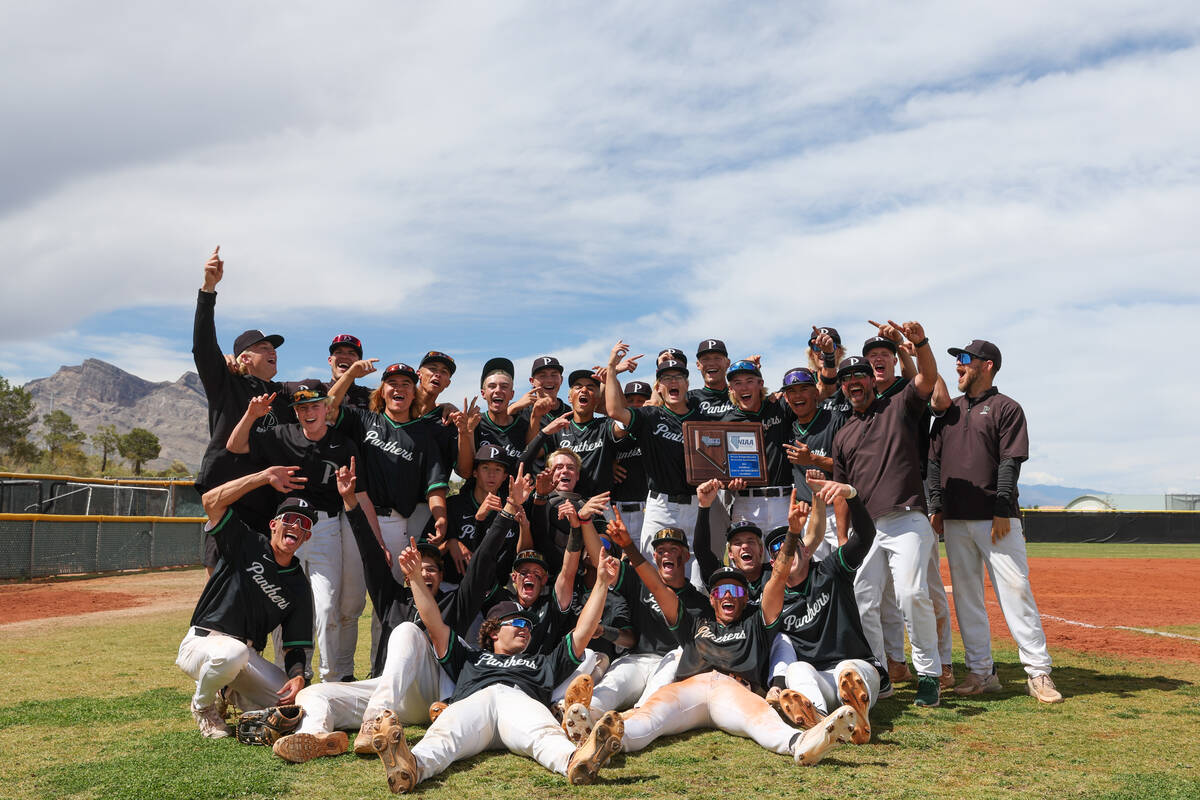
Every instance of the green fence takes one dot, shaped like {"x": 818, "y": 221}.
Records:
{"x": 40, "y": 546}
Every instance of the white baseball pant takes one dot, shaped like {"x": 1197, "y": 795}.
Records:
{"x": 330, "y": 559}
{"x": 494, "y": 718}
{"x": 969, "y": 550}
{"x": 765, "y": 512}
{"x": 902, "y": 543}
{"x": 217, "y": 660}
{"x": 662, "y": 513}
{"x": 707, "y": 700}
{"x": 820, "y": 685}
{"x": 632, "y": 514}
{"x": 941, "y": 606}
{"x": 631, "y": 680}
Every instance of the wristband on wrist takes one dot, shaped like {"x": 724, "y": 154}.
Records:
{"x": 506, "y": 515}
{"x": 540, "y": 496}
{"x": 827, "y": 360}
{"x": 922, "y": 343}
{"x": 633, "y": 554}
{"x": 828, "y": 380}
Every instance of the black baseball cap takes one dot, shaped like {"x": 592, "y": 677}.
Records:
{"x": 498, "y": 364}
{"x": 437, "y": 355}
{"x": 743, "y": 526}
{"x": 711, "y": 346}
{"x": 880, "y": 341}
{"x": 742, "y": 365}
{"x": 674, "y": 353}
{"x": 398, "y": 369}
{"x": 581, "y": 375}
{"x": 671, "y": 365}
{"x": 727, "y": 574}
{"x": 297, "y": 505}
{"x": 979, "y": 348}
{"x": 832, "y": 332}
{"x": 640, "y": 388}
{"x": 431, "y": 550}
{"x": 346, "y": 340}
{"x": 308, "y": 394}
{"x": 545, "y": 362}
{"x": 854, "y": 364}
{"x": 672, "y": 535}
{"x": 494, "y": 454}
{"x": 253, "y": 337}
{"x": 799, "y": 376}
{"x": 508, "y": 610}
{"x": 531, "y": 557}
{"x": 775, "y": 540}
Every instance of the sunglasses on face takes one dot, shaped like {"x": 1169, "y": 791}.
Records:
{"x": 516, "y": 622}
{"x": 728, "y": 590}
{"x": 774, "y": 549}
{"x": 964, "y": 358}
{"x": 292, "y": 518}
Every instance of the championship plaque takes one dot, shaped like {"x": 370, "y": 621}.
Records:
{"x": 724, "y": 450}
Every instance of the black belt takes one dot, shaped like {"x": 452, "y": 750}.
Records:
{"x": 205, "y": 632}
{"x": 766, "y": 491}
{"x": 629, "y": 506}
{"x": 681, "y": 499}
{"x": 386, "y": 511}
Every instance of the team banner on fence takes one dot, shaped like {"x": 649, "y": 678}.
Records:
{"x": 725, "y": 450}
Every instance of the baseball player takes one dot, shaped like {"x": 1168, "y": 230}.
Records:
{"x": 766, "y": 506}
{"x": 401, "y": 465}
{"x": 545, "y": 379}
{"x": 629, "y": 471}
{"x": 876, "y": 452}
{"x": 409, "y": 677}
{"x": 712, "y": 399}
{"x": 344, "y": 350}
{"x": 330, "y": 557}
{"x": 501, "y": 694}
{"x": 812, "y": 443}
{"x": 258, "y": 585}
{"x": 435, "y": 422}
{"x": 494, "y": 425}
{"x": 833, "y": 663}
{"x": 723, "y": 664}
{"x": 974, "y": 463}
{"x": 470, "y": 512}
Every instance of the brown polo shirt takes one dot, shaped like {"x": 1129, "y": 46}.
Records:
{"x": 876, "y": 452}
{"x": 969, "y": 441}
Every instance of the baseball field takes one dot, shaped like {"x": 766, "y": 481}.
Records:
{"x": 93, "y": 706}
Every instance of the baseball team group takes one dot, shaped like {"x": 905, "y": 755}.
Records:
{"x": 578, "y": 596}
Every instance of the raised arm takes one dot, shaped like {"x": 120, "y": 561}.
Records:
{"x": 772, "y": 596}
{"x": 614, "y": 398}
{"x": 206, "y": 351}
{"x": 862, "y": 533}
{"x": 926, "y": 365}
{"x": 706, "y": 562}
{"x": 466, "y": 421}
{"x": 815, "y": 532}
{"x": 437, "y": 629}
{"x": 358, "y": 369}
{"x": 593, "y": 609}
{"x": 217, "y": 501}
{"x": 664, "y": 595}
{"x": 239, "y": 437}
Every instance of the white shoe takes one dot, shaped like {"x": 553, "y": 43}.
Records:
{"x": 212, "y": 725}
{"x": 1041, "y": 687}
{"x": 814, "y": 743}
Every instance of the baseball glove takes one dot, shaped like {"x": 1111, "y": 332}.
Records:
{"x": 268, "y": 725}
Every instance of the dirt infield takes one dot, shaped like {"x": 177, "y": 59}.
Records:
{"x": 1084, "y": 602}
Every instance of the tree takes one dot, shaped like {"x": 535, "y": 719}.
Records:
{"x": 139, "y": 446}
{"x": 106, "y": 440}
{"x": 16, "y": 418}
{"x": 61, "y": 431}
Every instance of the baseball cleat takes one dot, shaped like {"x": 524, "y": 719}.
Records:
{"x": 1041, "y": 687}
{"x": 579, "y": 690}
{"x": 366, "y": 732}
{"x": 602, "y": 742}
{"x": 301, "y": 747}
{"x": 898, "y": 671}
{"x": 398, "y": 760}
{"x": 577, "y": 723}
{"x": 212, "y": 724}
{"x": 977, "y": 684}
{"x": 929, "y": 693}
{"x": 852, "y": 690}
{"x": 772, "y": 697}
{"x": 798, "y": 709}
{"x": 818, "y": 740}
{"x": 436, "y": 709}
{"x": 946, "y": 681}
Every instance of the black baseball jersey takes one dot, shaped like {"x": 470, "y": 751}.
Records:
{"x": 818, "y": 434}
{"x": 594, "y": 442}
{"x": 393, "y": 601}
{"x": 709, "y": 403}
{"x": 632, "y": 488}
{"x": 660, "y": 432}
{"x": 820, "y": 615}
{"x": 357, "y": 397}
{"x": 550, "y": 623}
{"x": 249, "y": 594}
{"x": 776, "y": 419}
{"x": 837, "y": 402}
{"x": 445, "y": 436}
{"x": 615, "y": 614}
{"x": 708, "y": 563}
{"x": 654, "y": 635}
{"x": 559, "y": 409}
{"x": 510, "y": 438}
{"x": 741, "y": 649}
{"x": 400, "y": 460}
{"x": 286, "y": 445}
{"x": 534, "y": 674}
{"x": 461, "y": 524}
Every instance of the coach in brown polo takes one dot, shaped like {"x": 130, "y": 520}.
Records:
{"x": 974, "y": 462}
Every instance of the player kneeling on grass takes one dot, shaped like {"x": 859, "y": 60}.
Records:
{"x": 834, "y": 664}
{"x": 722, "y": 670}
{"x": 257, "y": 586}
{"x": 501, "y": 694}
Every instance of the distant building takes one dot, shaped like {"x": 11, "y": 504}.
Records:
{"x": 1135, "y": 502}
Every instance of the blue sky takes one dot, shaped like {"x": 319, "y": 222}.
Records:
{"x": 526, "y": 178}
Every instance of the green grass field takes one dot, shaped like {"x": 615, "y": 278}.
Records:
{"x": 100, "y": 711}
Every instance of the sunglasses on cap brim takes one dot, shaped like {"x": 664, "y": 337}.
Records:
{"x": 728, "y": 590}
{"x": 292, "y": 518}
{"x": 517, "y": 622}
